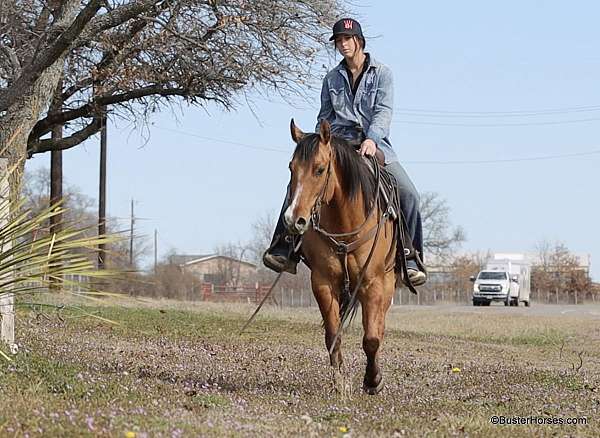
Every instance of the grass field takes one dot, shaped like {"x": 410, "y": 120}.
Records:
{"x": 181, "y": 369}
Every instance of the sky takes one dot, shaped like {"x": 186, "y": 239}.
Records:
{"x": 497, "y": 109}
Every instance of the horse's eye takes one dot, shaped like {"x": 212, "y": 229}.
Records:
{"x": 320, "y": 171}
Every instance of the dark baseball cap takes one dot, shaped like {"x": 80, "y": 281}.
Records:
{"x": 346, "y": 26}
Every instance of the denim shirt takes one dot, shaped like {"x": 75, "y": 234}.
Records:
{"x": 371, "y": 109}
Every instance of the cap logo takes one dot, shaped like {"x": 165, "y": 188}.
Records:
{"x": 347, "y": 24}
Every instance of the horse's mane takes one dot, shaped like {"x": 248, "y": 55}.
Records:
{"x": 356, "y": 176}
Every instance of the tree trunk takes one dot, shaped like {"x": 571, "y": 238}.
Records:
{"x": 15, "y": 126}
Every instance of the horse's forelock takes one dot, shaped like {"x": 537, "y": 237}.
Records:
{"x": 307, "y": 147}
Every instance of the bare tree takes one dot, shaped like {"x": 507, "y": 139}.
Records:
{"x": 558, "y": 272}
{"x": 440, "y": 239}
{"x": 229, "y": 268}
{"x": 135, "y": 56}
{"x": 262, "y": 232}
{"x": 36, "y": 194}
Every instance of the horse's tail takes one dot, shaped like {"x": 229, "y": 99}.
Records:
{"x": 348, "y": 307}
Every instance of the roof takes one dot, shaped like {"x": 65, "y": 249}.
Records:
{"x": 181, "y": 259}
{"x": 187, "y": 260}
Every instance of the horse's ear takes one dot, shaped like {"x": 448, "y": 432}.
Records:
{"x": 297, "y": 134}
{"x": 325, "y": 131}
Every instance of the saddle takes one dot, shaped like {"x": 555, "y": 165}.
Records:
{"x": 390, "y": 200}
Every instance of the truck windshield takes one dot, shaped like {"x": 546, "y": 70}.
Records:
{"x": 492, "y": 276}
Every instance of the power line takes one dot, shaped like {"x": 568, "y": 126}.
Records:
{"x": 507, "y": 160}
{"x": 511, "y": 160}
{"x": 564, "y": 110}
{"x": 490, "y": 115}
{"x": 490, "y": 125}
{"x": 218, "y": 140}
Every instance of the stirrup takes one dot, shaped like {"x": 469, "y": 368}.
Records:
{"x": 279, "y": 263}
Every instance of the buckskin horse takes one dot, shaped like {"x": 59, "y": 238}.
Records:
{"x": 348, "y": 240}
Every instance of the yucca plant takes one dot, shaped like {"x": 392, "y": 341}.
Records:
{"x": 34, "y": 259}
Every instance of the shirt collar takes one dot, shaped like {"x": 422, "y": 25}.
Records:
{"x": 369, "y": 62}
{"x": 366, "y": 64}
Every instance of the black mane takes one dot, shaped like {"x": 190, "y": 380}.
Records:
{"x": 356, "y": 177}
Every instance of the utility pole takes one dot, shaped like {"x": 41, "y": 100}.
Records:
{"x": 56, "y": 177}
{"x": 155, "y": 249}
{"x": 131, "y": 236}
{"x": 102, "y": 193}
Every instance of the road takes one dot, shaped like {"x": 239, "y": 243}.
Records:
{"x": 581, "y": 310}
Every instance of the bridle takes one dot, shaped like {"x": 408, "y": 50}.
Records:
{"x": 344, "y": 248}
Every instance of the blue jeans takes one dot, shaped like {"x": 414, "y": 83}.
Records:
{"x": 409, "y": 202}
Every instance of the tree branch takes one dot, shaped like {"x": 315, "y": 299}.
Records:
{"x": 32, "y": 72}
{"x": 45, "y": 125}
{"x": 114, "y": 18}
{"x": 45, "y": 145}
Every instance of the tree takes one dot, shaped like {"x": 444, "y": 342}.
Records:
{"x": 228, "y": 269}
{"x": 136, "y": 56}
{"x": 440, "y": 239}
{"x": 262, "y": 233}
{"x": 80, "y": 208}
{"x": 558, "y": 271}
{"x": 461, "y": 269}
{"x": 36, "y": 194}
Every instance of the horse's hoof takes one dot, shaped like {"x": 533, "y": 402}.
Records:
{"x": 373, "y": 390}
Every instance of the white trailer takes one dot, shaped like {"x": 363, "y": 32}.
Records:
{"x": 506, "y": 278}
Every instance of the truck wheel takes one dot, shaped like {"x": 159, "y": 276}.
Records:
{"x": 476, "y": 302}
{"x": 516, "y": 303}
{"x": 526, "y": 303}
{"x": 506, "y": 302}
{"x": 487, "y": 303}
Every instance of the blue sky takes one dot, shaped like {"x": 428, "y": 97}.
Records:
{"x": 499, "y": 65}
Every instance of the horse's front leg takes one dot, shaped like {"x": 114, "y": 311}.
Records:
{"x": 375, "y": 303}
{"x": 327, "y": 298}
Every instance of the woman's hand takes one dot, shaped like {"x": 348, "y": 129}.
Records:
{"x": 368, "y": 148}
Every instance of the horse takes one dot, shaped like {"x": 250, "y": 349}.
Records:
{"x": 347, "y": 240}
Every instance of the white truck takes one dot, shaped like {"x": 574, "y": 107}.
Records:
{"x": 506, "y": 278}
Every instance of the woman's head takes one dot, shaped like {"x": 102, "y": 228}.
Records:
{"x": 348, "y": 36}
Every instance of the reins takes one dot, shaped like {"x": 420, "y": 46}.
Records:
{"x": 344, "y": 248}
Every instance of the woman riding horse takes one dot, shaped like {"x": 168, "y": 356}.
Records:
{"x": 357, "y": 101}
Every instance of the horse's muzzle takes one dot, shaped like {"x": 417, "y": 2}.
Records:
{"x": 299, "y": 226}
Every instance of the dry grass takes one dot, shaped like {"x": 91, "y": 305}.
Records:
{"x": 170, "y": 369}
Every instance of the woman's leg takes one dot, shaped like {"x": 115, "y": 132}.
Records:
{"x": 277, "y": 257}
{"x": 409, "y": 202}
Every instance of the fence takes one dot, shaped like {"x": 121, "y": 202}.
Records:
{"x": 428, "y": 295}
{"x": 289, "y": 297}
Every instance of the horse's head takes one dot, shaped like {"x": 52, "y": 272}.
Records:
{"x": 311, "y": 169}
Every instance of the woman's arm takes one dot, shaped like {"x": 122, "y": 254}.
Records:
{"x": 383, "y": 109}
{"x": 326, "y": 111}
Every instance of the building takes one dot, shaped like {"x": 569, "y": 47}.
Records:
{"x": 216, "y": 269}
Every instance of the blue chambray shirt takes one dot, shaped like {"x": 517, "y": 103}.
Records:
{"x": 371, "y": 109}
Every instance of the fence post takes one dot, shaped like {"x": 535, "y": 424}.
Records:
{"x": 7, "y": 299}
